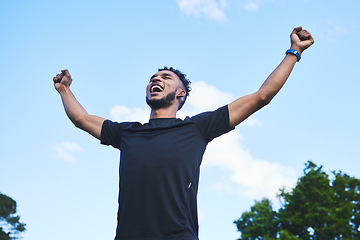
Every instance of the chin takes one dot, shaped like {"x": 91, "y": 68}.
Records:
{"x": 157, "y": 102}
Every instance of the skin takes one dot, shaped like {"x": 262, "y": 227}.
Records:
{"x": 169, "y": 82}
{"x": 243, "y": 107}
{"x": 76, "y": 113}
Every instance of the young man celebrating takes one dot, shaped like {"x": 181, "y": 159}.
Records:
{"x": 160, "y": 160}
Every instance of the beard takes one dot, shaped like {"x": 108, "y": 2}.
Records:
{"x": 162, "y": 102}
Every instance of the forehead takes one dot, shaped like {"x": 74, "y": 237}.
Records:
{"x": 166, "y": 73}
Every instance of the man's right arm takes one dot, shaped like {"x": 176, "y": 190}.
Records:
{"x": 76, "y": 113}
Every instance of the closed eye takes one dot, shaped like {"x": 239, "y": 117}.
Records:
{"x": 166, "y": 76}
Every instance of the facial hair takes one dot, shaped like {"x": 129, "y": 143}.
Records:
{"x": 164, "y": 102}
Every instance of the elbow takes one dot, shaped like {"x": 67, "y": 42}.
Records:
{"x": 78, "y": 124}
{"x": 264, "y": 99}
{"x": 79, "y": 121}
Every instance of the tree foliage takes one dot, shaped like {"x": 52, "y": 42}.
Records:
{"x": 317, "y": 208}
{"x": 258, "y": 223}
{"x": 10, "y": 225}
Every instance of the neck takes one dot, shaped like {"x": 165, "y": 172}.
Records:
{"x": 163, "y": 113}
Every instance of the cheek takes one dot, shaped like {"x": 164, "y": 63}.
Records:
{"x": 171, "y": 86}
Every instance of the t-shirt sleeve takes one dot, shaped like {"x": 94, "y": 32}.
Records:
{"x": 111, "y": 133}
{"x": 213, "y": 124}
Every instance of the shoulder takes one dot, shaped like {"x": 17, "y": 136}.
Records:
{"x": 116, "y": 126}
{"x": 111, "y": 132}
{"x": 213, "y": 123}
{"x": 220, "y": 112}
{"x": 108, "y": 122}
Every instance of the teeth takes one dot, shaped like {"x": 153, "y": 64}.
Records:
{"x": 156, "y": 88}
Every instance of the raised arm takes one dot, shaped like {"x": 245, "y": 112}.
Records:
{"x": 74, "y": 110}
{"x": 243, "y": 107}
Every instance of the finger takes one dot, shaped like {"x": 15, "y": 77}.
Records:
{"x": 307, "y": 43}
{"x": 306, "y": 33}
{"x": 65, "y": 72}
{"x": 296, "y": 30}
{"x": 303, "y": 35}
{"x": 309, "y": 37}
{"x": 56, "y": 79}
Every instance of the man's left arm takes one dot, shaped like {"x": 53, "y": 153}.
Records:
{"x": 243, "y": 107}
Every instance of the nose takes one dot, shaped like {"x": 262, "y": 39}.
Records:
{"x": 154, "y": 80}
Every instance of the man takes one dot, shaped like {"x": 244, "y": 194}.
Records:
{"x": 160, "y": 160}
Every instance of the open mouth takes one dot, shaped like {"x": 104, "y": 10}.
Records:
{"x": 156, "y": 88}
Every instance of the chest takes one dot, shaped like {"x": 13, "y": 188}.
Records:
{"x": 168, "y": 149}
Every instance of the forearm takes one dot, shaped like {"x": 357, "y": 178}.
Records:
{"x": 243, "y": 107}
{"x": 76, "y": 113}
{"x": 73, "y": 108}
{"x": 277, "y": 78}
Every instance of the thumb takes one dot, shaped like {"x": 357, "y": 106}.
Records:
{"x": 296, "y": 30}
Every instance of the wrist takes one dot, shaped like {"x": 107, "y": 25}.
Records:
{"x": 295, "y": 53}
{"x": 296, "y": 48}
{"x": 63, "y": 89}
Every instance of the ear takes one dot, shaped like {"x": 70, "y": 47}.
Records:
{"x": 180, "y": 93}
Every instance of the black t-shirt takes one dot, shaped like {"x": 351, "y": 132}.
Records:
{"x": 159, "y": 173}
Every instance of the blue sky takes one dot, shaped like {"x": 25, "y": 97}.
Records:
{"x": 65, "y": 182}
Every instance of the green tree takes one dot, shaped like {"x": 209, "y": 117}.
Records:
{"x": 285, "y": 235}
{"x": 309, "y": 210}
{"x": 10, "y": 225}
{"x": 317, "y": 208}
{"x": 347, "y": 191}
{"x": 259, "y": 223}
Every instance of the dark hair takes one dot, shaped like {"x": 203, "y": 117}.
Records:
{"x": 186, "y": 82}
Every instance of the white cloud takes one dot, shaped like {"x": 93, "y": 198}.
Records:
{"x": 244, "y": 174}
{"x": 66, "y": 150}
{"x": 251, "y": 6}
{"x": 123, "y": 113}
{"x": 213, "y": 9}
{"x": 205, "y": 97}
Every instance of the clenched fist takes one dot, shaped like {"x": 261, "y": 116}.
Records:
{"x": 301, "y": 39}
{"x": 62, "y": 80}
{"x": 304, "y": 35}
